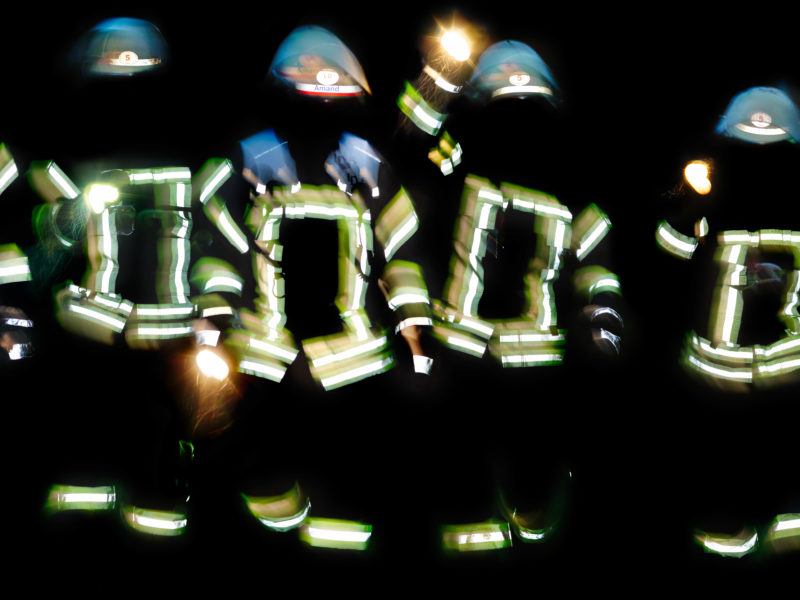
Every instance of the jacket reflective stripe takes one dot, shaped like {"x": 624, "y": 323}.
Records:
{"x": 8, "y": 168}
{"x": 673, "y": 242}
{"x": 413, "y": 106}
{"x": 13, "y": 264}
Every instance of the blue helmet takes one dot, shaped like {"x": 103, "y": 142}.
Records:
{"x": 124, "y": 47}
{"x": 761, "y": 115}
{"x": 511, "y": 69}
{"x": 315, "y": 62}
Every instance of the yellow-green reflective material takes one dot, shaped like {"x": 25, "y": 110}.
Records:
{"x": 283, "y": 512}
{"x": 491, "y": 535}
{"x": 210, "y": 275}
{"x": 360, "y": 350}
{"x": 413, "y": 106}
{"x": 784, "y": 532}
{"x": 533, "y": 338}
{"x": 92, "y": 314}
{"x": 13, "y": 264}
{"x": 155, "y": 522}
{"x": 589, "y": 229}
{"x": 336, "y": 533}
{"x": 701, "y": 227}
{"x": 75, "y": 497}
{"x": 738, "y": 545}
{"x": 407, "y": 292}
{"x": 50, "y": 182}
{"x": 447, "y": 154}
{"x": 396, "y": 223}
{"x": 529, "y": 534}
{"x": 721, "y": 357}
{"x": 8, "y": 168}
{"x": 205, "y": 185}
{"x": 590, "y": 281}
{"x": 673, "y": 242}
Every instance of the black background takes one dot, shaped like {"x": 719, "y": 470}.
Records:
{"x": 641, "y": 86}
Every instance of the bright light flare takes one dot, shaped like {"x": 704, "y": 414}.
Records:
{"x": 212, "y": 365}
{"x": 456, "y": 44}
{"x": 98, "y": 195}
{"x": 696, "y": 175}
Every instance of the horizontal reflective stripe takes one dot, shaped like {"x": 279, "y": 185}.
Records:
{"x": 18, "y": 272}
{"x": 139, "y": 62}
{"x": 221, "y": 281}
{"x": 768, "y": 131}
{"x": 480, "y": 536}
{"x": 116, "y": 324}
{"x": 260, "y": 369}
{"x": 531, "y": 358}
{"x": 412, "y": 321}
{"x": 264, "y": 346}
{"x": 372, "y": 368}
{"x": 522, "y": 89}
{"x": 336, "y": 534}
{"x": 350, "y": 352}
{"x": 721, "y": 545}
{"x": 784, "y": 525}
{"x": 530, "y": 337}
{"x": 168, "y": 311}
{"x": 216, "y": 311}
{"x": 328, "y": 90}
{"x": 402, "y": 299}
{"x": 72, "y": 497}
{"x": 323, "y": 533}
{"x": 745, "y": 375}
{"x": 157, "y": 332}
{"x": 16, "y": 322}
{"x": 152, "y": 521}
{"x": 466, "y": 344}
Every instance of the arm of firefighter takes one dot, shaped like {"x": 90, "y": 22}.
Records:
{"x": 598, "y": 288}
{"x": 403, "y": 282}
{"x": 62, "y": 219}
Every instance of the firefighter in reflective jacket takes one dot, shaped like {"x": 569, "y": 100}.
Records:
{"x": 315, "y": 186}
{"x": 126, "y": 225}
{"x": 504, "y": 233}
{"x": 741, "y": 352}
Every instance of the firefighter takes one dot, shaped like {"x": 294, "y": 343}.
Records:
{"x": 121, "y": 219}
{"x": 331, "y": 283}
{"x": 728, "y": 243}
{"x": 503, "y": 457}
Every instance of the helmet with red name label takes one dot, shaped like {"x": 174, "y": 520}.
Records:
{"x": 315, "y": 62}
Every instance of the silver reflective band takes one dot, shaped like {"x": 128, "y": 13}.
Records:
{"x": 441, "y": 81}
{"x": 731, "y": 546}
{"x": 139, "y": 62}
{"x": 523, "y": 89}
{"x": 760, "y": 130}
{"x": 329, "y": 90}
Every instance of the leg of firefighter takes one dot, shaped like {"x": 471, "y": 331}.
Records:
{"x": 88, "y": 429}
{"x": 533, "y": 460}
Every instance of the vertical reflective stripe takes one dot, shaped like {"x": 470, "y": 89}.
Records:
{"x": 8, "y": 168}
{"x": 726, "y": 313}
